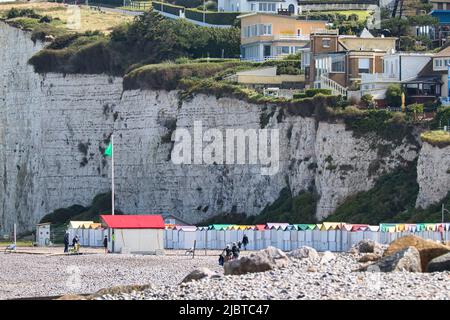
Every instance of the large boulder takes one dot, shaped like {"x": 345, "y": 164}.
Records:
{"x": 428, "y": 249}
{"x": 304, "y": 252}
{"x": 369, "y": 257}
{"x": 264, "y": 260}
{"x": 441, "y": 263}
{"x": 367, "y": 246}
{"x": 403, "y": 260}
{"x": 200, "y": 273}
{"x": 327, "y": 256}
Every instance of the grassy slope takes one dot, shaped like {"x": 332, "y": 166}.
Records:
{"x": 90, "y": 20}
{"x": 438, "y": 138}
{"x": 362, "y": 14}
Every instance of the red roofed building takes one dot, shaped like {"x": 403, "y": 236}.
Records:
{"x": 137, "y": 234}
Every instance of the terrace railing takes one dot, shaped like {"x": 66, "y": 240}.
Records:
{"x": 335, "y": 87}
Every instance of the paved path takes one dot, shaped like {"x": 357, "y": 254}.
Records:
{"x": 115, "y": 10}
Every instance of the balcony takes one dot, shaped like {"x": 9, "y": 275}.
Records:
{"x": 291, "y": 37}
{"x": 378, "y": 77}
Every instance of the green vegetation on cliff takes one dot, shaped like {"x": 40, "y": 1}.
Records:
{"x": 286, "y": 208}
{"x": 437, "y": 138}
{"x": 392, "y": 199}
{"x": 59, "y": 218}
{"x": 149, "y": 39}
{"x": 101, "y": 204}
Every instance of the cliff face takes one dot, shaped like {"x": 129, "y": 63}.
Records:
{"x": 433, "y": 174}
{"x": 53, "y": 130}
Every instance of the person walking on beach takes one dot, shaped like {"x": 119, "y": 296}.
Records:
{"x": 245, "y": 241}
{"x": 105, "y": 243}
{"x": 228, "y": 253}
{"x": 66, "y": 242}
{"x": 235, "y": 250}
{"x": 75, "y": 240}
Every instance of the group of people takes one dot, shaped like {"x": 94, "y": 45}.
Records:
{"x": 76, "y": 243}
{"x": 231, "y": 252}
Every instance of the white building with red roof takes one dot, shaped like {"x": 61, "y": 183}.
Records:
{"x": 135, "y": 234}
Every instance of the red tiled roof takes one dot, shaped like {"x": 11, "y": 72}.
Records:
{"x": 149, "y": 221}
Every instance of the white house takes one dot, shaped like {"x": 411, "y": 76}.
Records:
{"x": 397, "y": 68}
{"x": 136, "y": 234}
{"x": 267, "y": 6}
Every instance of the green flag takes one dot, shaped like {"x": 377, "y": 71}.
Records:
{"x": 109, "y": 150}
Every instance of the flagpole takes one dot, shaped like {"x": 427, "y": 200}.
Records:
{"x": 112, "y": 187}
{"x": 112, "y": 173}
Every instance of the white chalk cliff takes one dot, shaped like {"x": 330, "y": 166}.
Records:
{"x": 53, "y": 127}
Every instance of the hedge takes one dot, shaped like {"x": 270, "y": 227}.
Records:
{"x": 167, "y": 8}
{"x": 217, "y": 18}
{"x": 309, "y": 2}
{"x": 107, "y": 3}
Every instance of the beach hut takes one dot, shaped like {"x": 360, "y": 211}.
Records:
{"x": 139, "y": 234}
{"x": 186, "y": 236}
{"x": 90, "y": 234}
{"x": 43, "y": 234}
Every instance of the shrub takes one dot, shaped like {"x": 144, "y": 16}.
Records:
{"x": 441, "y": 119}
{"x": 313, "y": 92}
{"x": 287, "y": 208}
{"x": 367, "y": 101}
{"x": 149, "y": 39}
{"x": 16, "y": 13}
{"x": 168, "y": 76}
{"x": 415, "y": 108}
{"x": 394, "y": 96}
{"x": 285, "y": 66}
{"x": 392, "y": 194}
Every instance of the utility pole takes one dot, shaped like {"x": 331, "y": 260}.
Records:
{"x": 204, "y": 13}
{"x": 442, "y": 221}
{"x": 15, "y": 237}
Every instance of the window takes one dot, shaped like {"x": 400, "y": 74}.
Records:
{"x": 253, "y": 7}
{"x": 272, "y": 7}
{"x": 363, "y": 65}
{"x": 438, "y": 63}
{"x": 282, "y": 50}
{"x": 326, "y": 43}
{"x": 299, "y": 32}
{"x": 338, "y": 63}
{"x": 264, "y": 29}
{"x": 440, "y": 6}
{"x": 254, "y": 31}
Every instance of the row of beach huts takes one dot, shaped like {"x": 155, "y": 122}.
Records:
{"x": 149, "y": 234}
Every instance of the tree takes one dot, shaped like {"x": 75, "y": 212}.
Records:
{"x": 397, "y": 26}
{"x": 416, "y": 109}
{"x": 394, "y": 96}
{"x": 367, "y": 101}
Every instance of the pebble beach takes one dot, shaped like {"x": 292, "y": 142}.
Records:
{"x": 32, "y": 275}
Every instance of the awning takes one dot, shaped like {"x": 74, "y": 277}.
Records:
{"x": 150, "y": 221}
